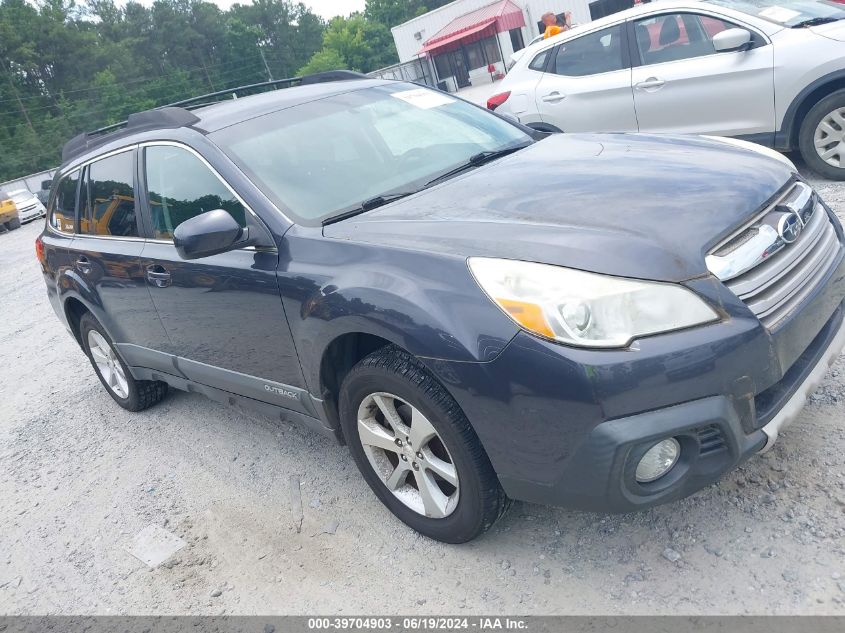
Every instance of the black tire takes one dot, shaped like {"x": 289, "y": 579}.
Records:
{"x": 481, "y": 500}
{"x": 807, "y": 133}
{"x": 142, "y": 394}
{"x": 13, "y": 224}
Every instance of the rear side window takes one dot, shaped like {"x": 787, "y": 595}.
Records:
{"x": 591, "y": 54}
{"x": 180, "y": 187}
{"x": 110, "y": 203}
{"x": 63, "y": 214}
{"x": 539, "y": 62}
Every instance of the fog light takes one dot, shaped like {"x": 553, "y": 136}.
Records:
{"x": 658, "y": 460}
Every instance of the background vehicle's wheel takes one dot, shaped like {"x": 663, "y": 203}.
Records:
{"x": 13, "y": 224}
{"x": 822, "y": 137}
{"x": 131, "y": 394}
{"x": 416, "y": 448}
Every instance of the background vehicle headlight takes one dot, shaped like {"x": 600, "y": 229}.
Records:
{"x": 586, "y": 309}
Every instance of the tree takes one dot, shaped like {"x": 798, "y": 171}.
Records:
{"x": 322, "y": 61}
{"x": 357, "y": 43}
{"x": 68, "y": 67}
{"x": 393, "y": 12}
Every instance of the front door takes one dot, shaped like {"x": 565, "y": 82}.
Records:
{"x": 684, "y": 86}
{"x": 223, "y": 314}
{"x": 587, "y": 85}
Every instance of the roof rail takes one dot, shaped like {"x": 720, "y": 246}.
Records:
{"x": 175, "y": 115}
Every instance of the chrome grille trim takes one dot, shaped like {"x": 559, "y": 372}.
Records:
{"x": 774, "y": 281}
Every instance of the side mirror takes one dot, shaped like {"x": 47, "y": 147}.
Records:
{"x": 207, "y": 234}
{"x": 731, "y": 40}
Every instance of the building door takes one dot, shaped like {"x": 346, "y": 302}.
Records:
{"x": 460, "y": 66}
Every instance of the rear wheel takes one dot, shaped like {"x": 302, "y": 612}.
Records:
{"x": 416, "y": 449}
{"x": 131, "y": 394}
{"x": 822, "y": 137}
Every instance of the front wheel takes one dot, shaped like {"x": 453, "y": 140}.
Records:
{"x": 13, "y": 224}
{"x": 822, "y": 137}
{"x": 416, "y": 449}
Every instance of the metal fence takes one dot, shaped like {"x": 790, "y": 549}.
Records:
{"x": 32, "y": 182}
{"x": 417, "y": 70}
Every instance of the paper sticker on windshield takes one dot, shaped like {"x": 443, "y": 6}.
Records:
{"x": 423, "y": 98}
{"x": 779, "y": 14}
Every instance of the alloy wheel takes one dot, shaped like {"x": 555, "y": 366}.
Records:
{"x": 408, "y": 455}
{"x": 108, "y": 364}
{"x": 829, "y": 138}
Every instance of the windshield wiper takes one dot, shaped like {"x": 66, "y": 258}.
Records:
{"x": 476, "y": 160}
{"x": 815, "y": 22}
{"x": 369, "y": 205}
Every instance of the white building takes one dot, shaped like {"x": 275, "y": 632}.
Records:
{"x": 468, "y": 42}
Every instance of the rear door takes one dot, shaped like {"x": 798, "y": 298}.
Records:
{"x": 105, "y": 254}
{"x": 223, "y": 314}
{"x": 684, "y": 86}
{"x": 587, "y": 84}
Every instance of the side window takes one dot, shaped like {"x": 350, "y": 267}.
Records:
{"x": 63, "y": 213}
{"x": 110, "y": 202}
{"x": 180, "y": 187}
{"x": 591, "y": 54}
{"x": 675, "y": 36}
{"x": 539, "y": 62}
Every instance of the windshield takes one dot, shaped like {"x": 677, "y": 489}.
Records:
{"x": 320, "y": 158}
{"x": 788, "y": 13}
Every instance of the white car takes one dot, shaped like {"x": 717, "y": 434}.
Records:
{"x": 28, "y": 204}
{"x": 761, "y": 70}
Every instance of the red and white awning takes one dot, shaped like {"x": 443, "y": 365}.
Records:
{"x": 476, "y": 25}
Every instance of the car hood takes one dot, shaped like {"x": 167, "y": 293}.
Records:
{"x": 624, "y": 204}
{"x": 833, "y": 31}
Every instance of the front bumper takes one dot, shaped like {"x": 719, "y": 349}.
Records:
{"x": 32, "y": 213}
{"x": 566, "y": 426}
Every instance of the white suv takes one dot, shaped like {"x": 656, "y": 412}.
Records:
{"x": 764, "y": 71}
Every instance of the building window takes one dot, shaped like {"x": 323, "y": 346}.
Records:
{"x": 475, "y": 55}
{"x": 491, "y": 50}
{"x": 516, "y": 39}
{"x": 443, "y": 67}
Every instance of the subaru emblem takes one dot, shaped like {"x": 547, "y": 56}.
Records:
{"x": 790, "y": 227}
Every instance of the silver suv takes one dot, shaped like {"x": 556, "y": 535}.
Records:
{"x": 761, "y": 70}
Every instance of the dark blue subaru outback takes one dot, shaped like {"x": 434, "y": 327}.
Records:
{"x": 604, "y": 322}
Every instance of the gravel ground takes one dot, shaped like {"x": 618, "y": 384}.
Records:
{"x": 80, "y": 477}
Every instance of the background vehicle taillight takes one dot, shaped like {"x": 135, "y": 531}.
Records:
{"x": 496, "y": 100}
{"x": 39, "y": 250}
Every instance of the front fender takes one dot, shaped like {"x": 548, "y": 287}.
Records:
{"x": 426, "y": 303}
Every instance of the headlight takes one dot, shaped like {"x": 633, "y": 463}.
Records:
{"x": 586, "y": 309}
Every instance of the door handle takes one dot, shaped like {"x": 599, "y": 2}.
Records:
{"x": 158, "y": 276}
{"x": 83, "y": 265}
{"x": 652, "y": 83}
{"x": 553, "y": 97}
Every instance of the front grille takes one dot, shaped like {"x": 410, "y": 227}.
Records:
{"x": 783, "y": 274}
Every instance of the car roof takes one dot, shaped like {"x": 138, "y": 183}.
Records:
{"x": 225, "y": 113}
{"x": 206, "y": 119}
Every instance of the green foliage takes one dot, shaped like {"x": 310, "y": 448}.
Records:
{"x": 321, "y": 61}
{"x": 355, "y": 42}
{"x": 393, "y": 12}
{"x": 66, "y": 67}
